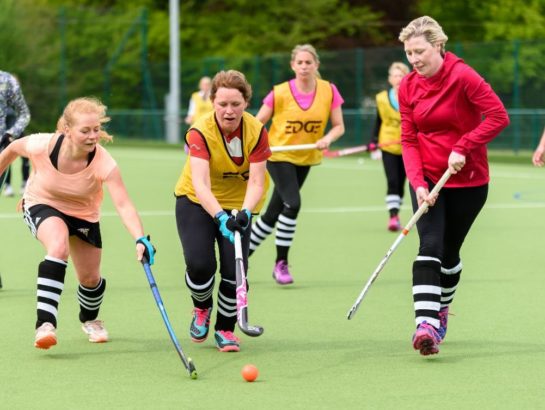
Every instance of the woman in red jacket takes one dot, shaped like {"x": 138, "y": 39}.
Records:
{"x": 448, "y": 115}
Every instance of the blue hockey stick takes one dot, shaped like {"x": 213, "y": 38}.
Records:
{"x": 188, "y": 363}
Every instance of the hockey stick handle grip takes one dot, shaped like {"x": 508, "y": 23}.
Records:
{"x": 422, "y": 209}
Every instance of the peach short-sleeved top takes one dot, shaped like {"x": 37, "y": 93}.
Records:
{"x": 79, "y": 195}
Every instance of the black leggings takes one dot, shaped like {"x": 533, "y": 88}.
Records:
{"x": 198, "y": 234}
{"x": 395, "y": 173}
{"x": 443, "y": 228}
{"x": 286, "y": 197}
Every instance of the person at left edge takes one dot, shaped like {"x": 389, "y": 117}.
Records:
{"x": 11, "y": 101}
{"x": 61, "y": 207}
{"x": 225, "y": 170}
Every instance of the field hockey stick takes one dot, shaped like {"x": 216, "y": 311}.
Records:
{"x": 2, "y": 179}
{"x": 188, "y": 363}
{"x": 301, "y": 147}
{"x": 353, "y": 150}
{"x": 242, "y": 293}
{"x": 420, "y": 211}
{"x": 4, "y": 174}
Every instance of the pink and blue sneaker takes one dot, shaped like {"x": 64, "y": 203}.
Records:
{"x": 443, "y": 320}
{"x": 281, "y": 273}
{"x": 226, "y": 341}
{"x": 200, "y": 324}
{"x": 426, "y": 339}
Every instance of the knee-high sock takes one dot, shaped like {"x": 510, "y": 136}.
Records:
{"x": 260, "y": 231}
{"x": 393, "y": 203}
{"x": 90, "y": 300}
{"x": 227, "y": 306}
{"x": 449, "y": 282}
{"x": 427, "y": 290}
{"x": 51, "y": 272}
{"x": 201, "y": 294}
{"x": 285, "y": 232}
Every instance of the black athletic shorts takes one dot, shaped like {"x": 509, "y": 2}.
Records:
{"x": 85, "y": 230}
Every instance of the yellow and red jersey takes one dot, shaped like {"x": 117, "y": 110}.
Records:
{"x": 229, "y": 170}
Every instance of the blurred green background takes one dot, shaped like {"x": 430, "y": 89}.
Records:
{"x": 118, "y": 51}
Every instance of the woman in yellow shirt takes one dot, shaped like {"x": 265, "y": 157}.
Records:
{"x": 225, "y": 170}
{"x": 387, "y": 135}
{"x": 300, "y": 110}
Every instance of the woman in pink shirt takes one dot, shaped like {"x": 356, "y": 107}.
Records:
{"x": 62, "y": 209}
{"x": 448, "y": 115}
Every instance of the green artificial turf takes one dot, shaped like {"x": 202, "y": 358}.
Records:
{"x": 310, "y": 356}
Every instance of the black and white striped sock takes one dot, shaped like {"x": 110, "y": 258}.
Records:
{"x": 260, "y": 231}
{"x": 393, "y": 203}
{"x": 227, "y": 306}
{"x": 449, "y": 282}
{"x": 427, "y": 290}
{"x": 51, "y": 272}
{"x": 90, "y": 300}
{"x": 200, "y": 293}
{"x": 285, "y": 231}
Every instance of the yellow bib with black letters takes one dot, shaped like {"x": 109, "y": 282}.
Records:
{"x": 228, "y": 180}
{"x": 292, "y": 125}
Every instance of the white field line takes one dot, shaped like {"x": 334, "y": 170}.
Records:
{"x": 333, "y": 210}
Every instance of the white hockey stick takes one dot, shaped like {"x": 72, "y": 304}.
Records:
{"x": 301, "y": 147}
{"x": 419, "y": 212}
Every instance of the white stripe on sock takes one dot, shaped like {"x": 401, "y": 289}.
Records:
{"x": 426, "y": 305}
{"x": 434, "y": 290}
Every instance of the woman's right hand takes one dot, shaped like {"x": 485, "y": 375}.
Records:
{"x": 423, "y": 195}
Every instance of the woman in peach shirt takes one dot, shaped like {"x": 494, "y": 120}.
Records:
{"x": 62, "y": 209}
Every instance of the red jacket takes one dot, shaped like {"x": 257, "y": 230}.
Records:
{"x": 453, "y": 110}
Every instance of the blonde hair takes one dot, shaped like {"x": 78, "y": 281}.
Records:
{"x": 231, "y": 79}
{"x": 84, "y": 105}
{"x": 397, "y": 65}
{"x": 427, "y": 27}
{"x": 309, "y": 49}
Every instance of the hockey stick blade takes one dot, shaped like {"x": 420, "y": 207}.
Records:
{"x": 187, "y": 361}
{"x": 242, "y": 293}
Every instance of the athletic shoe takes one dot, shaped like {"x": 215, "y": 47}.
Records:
{"x": 281, "y": 273}
{"x": 45, "y": 336}
{"x": 226, "y": 341}
{"x": 443, "y": 319}
{"x": 394, "y": 224}
{"x": 0, "y": 282}
{"x": 95, "y": 330}
{"x": 426, "y": 339}
{"x": 199, "y": 325}
{"x": 8, "y": 190}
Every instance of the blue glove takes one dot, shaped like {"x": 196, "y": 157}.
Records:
{"x": 149, "y": 251}
{"x": 225, "y": 224}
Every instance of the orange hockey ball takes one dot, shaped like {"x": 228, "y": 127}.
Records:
{"x": 249, "y": 372}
